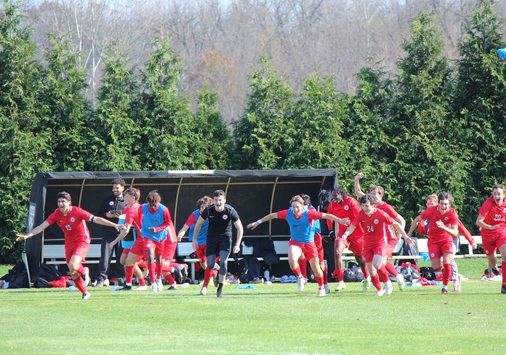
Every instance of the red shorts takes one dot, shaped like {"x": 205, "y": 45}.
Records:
{"x": 151, "y": 245}
{"x": 391, "y": 244}
{"x": 437, "y": 249}
{"x": 79, "y": 249}
{"x": 490, "y": 245}
{"x": 319, "y": 245}
{"x": 355, "y": 245}
{"x": 308, "y": 249}
{"x": 138, "y": 247}
{"x": 201, "y": 253}
{"x": 374, "y": 250}
{"x": 169, "y": 250}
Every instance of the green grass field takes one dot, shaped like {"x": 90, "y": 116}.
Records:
{"x": 270, "y": 319}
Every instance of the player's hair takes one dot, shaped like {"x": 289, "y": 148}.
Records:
{"x": 367, "y": 198}
{"x": 204, "y": 201}
{"x": 340, "y": 191}
{"x": 132, "y": 191}
{"x": 64, "y": 195}
{"x": 498, "y": 186}
{"x": 153, "y": 197}
{"x": 306, "y": 198}
{"x": 119, "y": 181}
{"x": 431, "y": 197}
{"x": 378, "y": 189}
{"x": 298, "y": 199}
{"x": 219, "y": 193}
{"x": 445, "y": 196}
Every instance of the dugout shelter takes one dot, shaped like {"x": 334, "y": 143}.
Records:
{"x": 253, "y": 193}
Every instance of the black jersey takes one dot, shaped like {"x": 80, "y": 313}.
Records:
{"x": 220, "y": 223}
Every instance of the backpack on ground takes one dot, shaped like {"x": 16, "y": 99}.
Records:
{"x": 17, "y": 276}
{"x": 428, "y": 273}
{"x": 49, "y": 272}
{"x": 40, "y": 282}
{"x": 250, "y": 269}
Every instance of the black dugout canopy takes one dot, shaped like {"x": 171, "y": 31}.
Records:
{"x": 253, "y": 193}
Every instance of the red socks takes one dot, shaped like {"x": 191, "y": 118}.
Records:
{"x": 297, "y": 272}
{"x": 376, "y": 282}
{"x": 129, "y": 274}
{"x": 303, "y": 267}
{"x": 447, "y": 273}
{"x": 79, "y": 284}
{"x": 391, "y": 269}
{"x": 340, "y": 275}
{"x": 170, "y": 279}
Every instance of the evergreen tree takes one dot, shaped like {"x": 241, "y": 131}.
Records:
{"x": 429, "y": 156}
{"x": 169, "y": 131}
{"x": 216, "y": 144}
{"x": 25, "y": 147}
{"x": 366, "y": 130}
{"x": 66, "y": 110}
{"x": 263, "y": 136}
{"x": 116, "y": 120}
{"x": 479, "y": 104}
{"x": 317, "y": 137}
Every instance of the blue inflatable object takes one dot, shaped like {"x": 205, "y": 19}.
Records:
{"x": 425, "y": 256}
{"x": 502, "y": 53}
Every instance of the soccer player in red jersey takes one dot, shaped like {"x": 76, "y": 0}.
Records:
{"x": 443, "y": 221}
{"x": 492, "y": 228}
{"x": 72, "y": 220}
{"x": 132, "y": 255}
{"x": 169, "y": 250}
{"x": 423, "y": 227}
{"x": 318, "y": 241}
{"x": 155, "y": 226}
{"x": 344, "y": 206}
{"x": 392, "y": 238}
{"x": 373, "y": 222}
{"x": 301, "y": 221}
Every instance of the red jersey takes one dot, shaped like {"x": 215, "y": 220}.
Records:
{"x": 349, "y": 208}
{"x": 422, "y": 229}
{"x": 73, "y": 224}
{"x": 133, "y": 217}
{"x": 374, "y": 227}
{"x": 449, "y": 218}
{"x": 494, "y": 215}
{"x": 389, "y": 210}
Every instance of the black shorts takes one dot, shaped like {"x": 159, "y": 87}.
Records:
{"x": 217, "y": 244}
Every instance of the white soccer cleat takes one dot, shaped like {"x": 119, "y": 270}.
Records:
{"x": 86, "y": 295}
{"x": 380, "y": 292}
{"x": 300, "y": 284}
{"x": 340, "y": 286}
{"x": 400, "y": 281}
{"x": 388, "y": 288}
{"x": 159, "y": 285}
{"x": 154, "y": 287}
{"x": 141, "y": 288}
{"x": 456, "y": 284}
{"x": 203, "y": 291}
{"x": 321, "y": 292}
